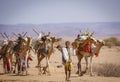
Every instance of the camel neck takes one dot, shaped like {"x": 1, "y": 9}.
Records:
{"x": 99, "y": 46}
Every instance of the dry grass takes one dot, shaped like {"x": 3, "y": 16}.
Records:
{"x": 107, "y": 70}
{"x": 112, "y": 41}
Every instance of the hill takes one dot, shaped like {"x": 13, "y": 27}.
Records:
{"x": 65, "y": 29}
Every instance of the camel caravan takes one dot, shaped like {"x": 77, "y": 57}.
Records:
{"x": 15, "y": 53}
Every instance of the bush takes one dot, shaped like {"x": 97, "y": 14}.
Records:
{"x": 112, "y": 41}
{"x": 108, "y": 70}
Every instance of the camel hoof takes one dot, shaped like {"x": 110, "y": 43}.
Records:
{"x": 81, "y": 74}
{"x": 39, "y": 74}
{"x": 77, "y": 72}
{"x": 14, "y": 72}
{"x": 91, "y": 74}
{"x": 27, "y": 74}
{"x": 36, "y": 66}
{"x": 43, "y": 73}
{"x": 67, "y": 79}
{"x": 49, "y": 74}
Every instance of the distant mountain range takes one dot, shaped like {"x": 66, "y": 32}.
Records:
{"x": 64, "y": 29}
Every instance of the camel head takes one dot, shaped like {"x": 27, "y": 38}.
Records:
{"x": 59, "y": 47}
{"x": 75, "y": 44}
{"x": 101, "y": 42}
{"x": 54, "y": 39}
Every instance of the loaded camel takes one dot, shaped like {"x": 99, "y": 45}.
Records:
{"x": 43, "y": 54}
{"x": 6, "y": 53}
{"x": 21, "y": 50}
{"x": 87, "y": 48}
{"x": 44, "y": 47}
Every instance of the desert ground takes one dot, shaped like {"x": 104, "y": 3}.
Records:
{"x": 106, "y": 68}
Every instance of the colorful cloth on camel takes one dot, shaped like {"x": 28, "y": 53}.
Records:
{"x": 85, "y": 48}
{"x": 8, "y": 65}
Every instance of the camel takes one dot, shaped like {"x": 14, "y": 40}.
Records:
{"x": 42, "y": 54}
{"x": 6, "y": 53}
{"x": 40, "y": 43}
{"x": 22, "y": 50}
{"x": 80, "y": 53}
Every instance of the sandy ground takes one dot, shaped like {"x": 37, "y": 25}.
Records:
{"x": 107, "y": 55}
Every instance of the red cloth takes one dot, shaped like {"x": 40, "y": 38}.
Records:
{"x": 29, "y": 58}
{"x": 97, "y": 54}
{"x": 8, "y": 66}
{"x": 85, "y": 48}
{"x": 78, "y": 35}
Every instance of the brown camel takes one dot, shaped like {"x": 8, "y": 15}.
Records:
{"x": 22, "y": 50}
{"x": 42, "y": 54}
{"x": 7, "y": 52}
{"x": 80, "y": 54}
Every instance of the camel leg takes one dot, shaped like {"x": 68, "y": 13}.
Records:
{"x": 79, "y": 56}
{"x": 91, "y": 74}
{"x": 38, "y": 58}
{"x": 26, "y": 68}
{"x": 11, "y": 61}
{"x": 15, "y": 63}
{"x": 47, "y": 65}
{"x": 86, "y": 59}
{"x": 79, "y": 65}
{"x": 39, "y": 69}
{"x": 19, "y": 68}
{"x": 4, "y": 66}
{"x": 39, "y": 64}
{"x": 78, "y": 62}
{"x": 79, "y": 68}
{"x": 14, "y": 71}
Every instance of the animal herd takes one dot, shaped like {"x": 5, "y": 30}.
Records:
{"x": 16, "y": 53}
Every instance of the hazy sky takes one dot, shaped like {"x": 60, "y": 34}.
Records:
{"x": 58, "y": 11}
